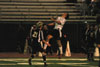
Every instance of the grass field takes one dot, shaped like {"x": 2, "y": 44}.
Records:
{"x": 52, "y": 62}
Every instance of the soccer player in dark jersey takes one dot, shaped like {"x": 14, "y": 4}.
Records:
{"x": 38, "y": 37}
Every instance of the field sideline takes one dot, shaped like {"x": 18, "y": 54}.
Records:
{"x": 52, "y": 62}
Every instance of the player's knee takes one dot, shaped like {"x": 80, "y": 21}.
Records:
{"x": 50, "y": 36}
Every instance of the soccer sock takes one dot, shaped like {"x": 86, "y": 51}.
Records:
{"x": 58, "y": 52}
{"x": 92, "y": 56}
{"x": 60, "y": 48}
{"x": 44, "y": 59}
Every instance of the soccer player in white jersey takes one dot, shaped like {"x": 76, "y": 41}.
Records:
{"x": 57, "y": 31}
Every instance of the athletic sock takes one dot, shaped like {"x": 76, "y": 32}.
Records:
{"x": 29, "y": 61}
{"x": 60, "y": 48}
{"x": 44, "y": 59}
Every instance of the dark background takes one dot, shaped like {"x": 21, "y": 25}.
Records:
{"x": 9, "y": 36}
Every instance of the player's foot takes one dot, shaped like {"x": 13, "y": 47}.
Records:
{"x": 29, "y": 61}
{"x": 45, "y": 65}
{"x": 60, "y": 56}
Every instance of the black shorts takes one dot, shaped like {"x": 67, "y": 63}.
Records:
{"x": 36, "y": 47}
{"x": 55, "y": 34}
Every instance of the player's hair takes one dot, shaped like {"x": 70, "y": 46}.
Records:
{"x": 39, "y": 24}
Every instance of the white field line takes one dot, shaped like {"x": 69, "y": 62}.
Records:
{"x": 48, "y": 59}
{"x": 8, "y": 64}
{"x": 41, "y": 63}
{"x": 71, "y": 64}
{"x": 36, "y": 61}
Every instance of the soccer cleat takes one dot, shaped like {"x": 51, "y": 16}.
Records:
{"x": 29, "y": 61}
{"x": 60, "y": 56}
{"x": 45, "y": 65}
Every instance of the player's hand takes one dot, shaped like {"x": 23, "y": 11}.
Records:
{"x": 65, "y": 36}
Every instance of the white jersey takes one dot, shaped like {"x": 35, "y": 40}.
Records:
{"x": 60, "y": 26}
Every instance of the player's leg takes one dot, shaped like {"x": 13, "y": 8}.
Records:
{"x": 43, "y": 51}
{"x": 44, "y": 58}
{"x": 34, "y": 47}
{"x": 60, "y": 48}
{"x": 30, "y": 58}
{"x": 58, "y": 39}
{"x": 47, "y": 40}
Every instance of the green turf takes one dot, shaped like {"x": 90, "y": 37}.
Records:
{"x": 52, "y": 62}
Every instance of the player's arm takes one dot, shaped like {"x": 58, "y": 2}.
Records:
{"x": 55, "y": 20}
{"x": 51, "y": 24}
